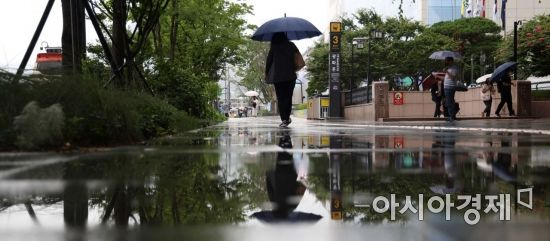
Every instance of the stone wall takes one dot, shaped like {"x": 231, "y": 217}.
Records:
{"x": 416, "y": 104}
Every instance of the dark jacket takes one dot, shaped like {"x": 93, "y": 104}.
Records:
{"x": 280, "y": 65}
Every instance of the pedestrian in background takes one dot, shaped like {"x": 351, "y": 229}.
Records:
{"x": 255, "y": 105}
{"x": 437, "y": 97}
{"x": 505, "y": 89}
{"x": 283, "y": 60}
{"x": 487, "y": 91}
{"x": 449, "y": 85}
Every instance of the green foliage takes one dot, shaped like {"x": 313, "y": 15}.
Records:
{"x": 192, "y": 44}
{"x": 301, "y": 106}
{"x": 93, "y": 115}
{"x": 317, "y": 67}
{"x": 534, "y": 46}
{"x": 476, "y": 37}
{"x": 403, "y": 51}
{"x": 252, "y": 69}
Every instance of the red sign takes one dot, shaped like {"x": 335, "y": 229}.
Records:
{"x": 398, "y": 142}
{"x": 398, "y": 98}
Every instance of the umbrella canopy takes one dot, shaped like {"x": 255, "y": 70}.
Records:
{"x": 293, "y": 217}
{"x": 295, "y": 29}
{"x": 445, "y": 54}
{"x": 431, "y": 80}
{"x": 483, "y": 78}
{"x": 501, "y": 70}
{"x": 251, "y": 93}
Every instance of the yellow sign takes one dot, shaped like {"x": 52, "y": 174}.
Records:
{"x": 336, "y": 215}
{"x": 324, "y": 102}
{"x": 335, "y": 27}
{"x": 325, "y": 140}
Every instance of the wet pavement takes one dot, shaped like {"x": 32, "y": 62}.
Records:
{"x": 247, "y": 179}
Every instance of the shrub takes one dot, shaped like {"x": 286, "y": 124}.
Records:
{"x": 37, "y": 126}
{"x": 93, "y": 115}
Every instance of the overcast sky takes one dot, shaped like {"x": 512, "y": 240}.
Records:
{"x": 18, "y": 21}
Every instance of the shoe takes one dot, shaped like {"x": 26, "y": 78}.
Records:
{"x": 512, "y": 113}
{"x": 285, "y": 123}
{"x": 497, "y": 114}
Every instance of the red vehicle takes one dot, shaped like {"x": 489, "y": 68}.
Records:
{"x": 50, "y": 61}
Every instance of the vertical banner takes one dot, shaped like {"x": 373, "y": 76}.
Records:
{"x": 503, "y": 14}
{"x": 483, "y": 7}
{"x": 335, "y": 109}
{"x": 495, "y": 10}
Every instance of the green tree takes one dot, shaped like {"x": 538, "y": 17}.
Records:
{"x": 403, "y": 51}
{"x": 190, "y": 47}
{"x": 476, "y": 37}
{"x": 533, "y": 47}
{"x": 252, "y": 69}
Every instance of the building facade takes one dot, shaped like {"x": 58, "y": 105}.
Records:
{"x": 433, "y": 11}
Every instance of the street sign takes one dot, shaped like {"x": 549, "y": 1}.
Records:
{"x": 335, "y": 109}
{"x": 398, "y": 98}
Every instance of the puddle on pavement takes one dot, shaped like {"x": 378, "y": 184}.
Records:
{"x": 266, "y": 176}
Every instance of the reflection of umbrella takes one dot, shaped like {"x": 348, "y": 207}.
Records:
{"x": 483, "y": 78}
{"x": 501, "y": 70}
{"x": 445, "y": 54}
{"x": 431, "y": 80}
{"x": 295, "y": 28}
{"x": 267, "y": 216}
{"x": 251, "y": 93}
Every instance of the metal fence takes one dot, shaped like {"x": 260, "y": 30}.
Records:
{"x": 359, "y": 96}
{"x": 542, "y": 85}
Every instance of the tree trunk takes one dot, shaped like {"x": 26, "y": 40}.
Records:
{"x": 157, "y": 38}
{"x": 120, "y": 38}
{"x": 173, "y": 30}
{"x": 73, "y": 39}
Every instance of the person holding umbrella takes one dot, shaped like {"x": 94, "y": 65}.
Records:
{"x": 281, "y": 70}
{"x": 505, "y": 89}
{"x": 284, "y": 58}
{"x": 449, "y": 87}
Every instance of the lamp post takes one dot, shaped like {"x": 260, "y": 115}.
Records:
{"x": 516, "y": 24}
{"x": 359, "y": 42}
{"x": 377, "y": 35}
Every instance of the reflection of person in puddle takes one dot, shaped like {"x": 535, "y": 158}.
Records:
{"x": 283, "y": 189}
{"x": 453, "y": 184}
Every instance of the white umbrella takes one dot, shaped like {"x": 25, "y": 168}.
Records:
{"x": 483, "y": 78}
{"x": 445, "y": 54}
{"x": 251, "y": 93}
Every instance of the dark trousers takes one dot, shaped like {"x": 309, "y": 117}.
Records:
{"x": 505, "y": 98}
{"x": 488, "y": 104}
{"x": 437, "y": 112}
{"x": 284, "y": 92}
{"x": 450, "y": 102}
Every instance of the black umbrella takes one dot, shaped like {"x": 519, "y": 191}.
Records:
{"x": 295, "y": 29}
{"x": 501, "y": 70}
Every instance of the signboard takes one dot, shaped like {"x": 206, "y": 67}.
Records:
{"x": 324, "y": 102}
{"x": 398, "y": 142}
{"x": 334, "y": 69}
{"x": 398, "y": 98}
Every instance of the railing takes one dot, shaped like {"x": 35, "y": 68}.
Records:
{"x": 543, "y": 85}
{"x": 359, "y": 96}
